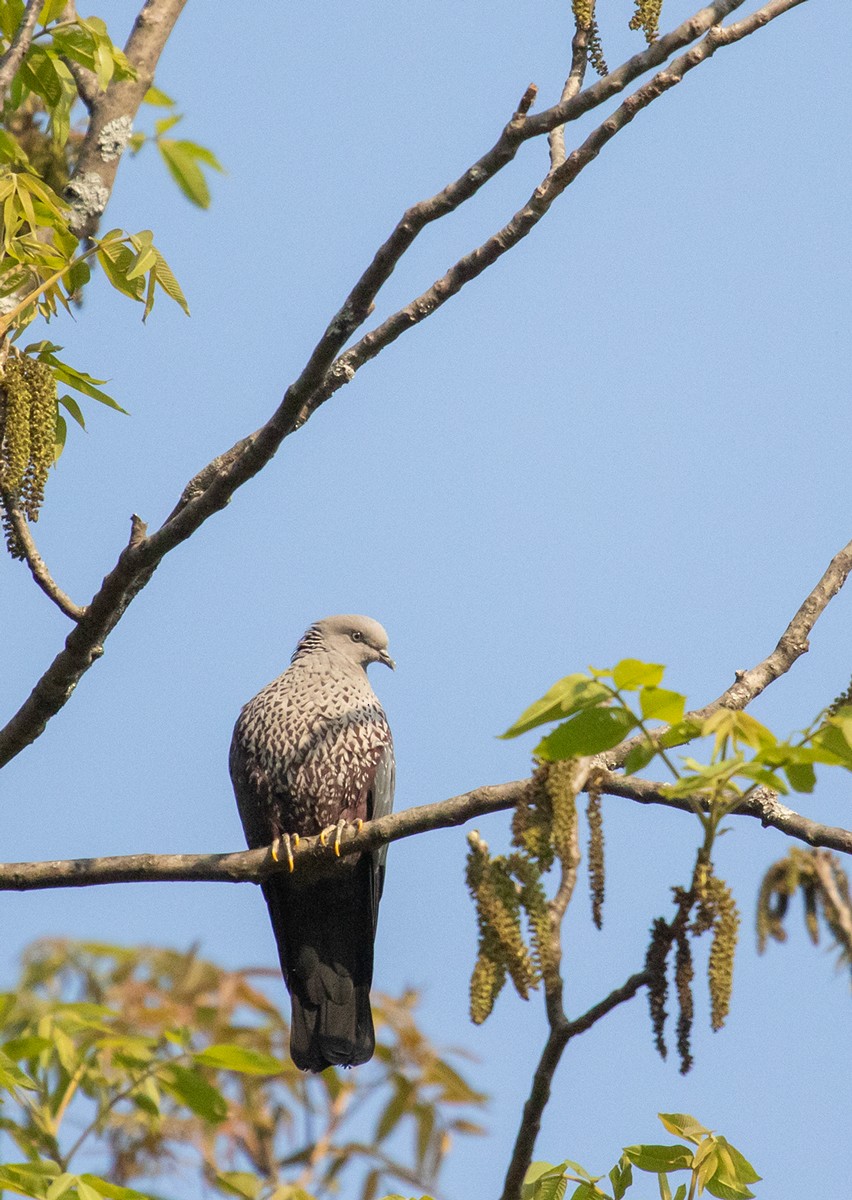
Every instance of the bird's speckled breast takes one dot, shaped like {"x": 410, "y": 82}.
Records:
{"x": 317, "y": 733}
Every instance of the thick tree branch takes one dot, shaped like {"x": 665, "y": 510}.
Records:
{"x": 112, "y": 113}
{"x": 252, "y": 866}
{"x": 325, "y": 372}
{"x": 18, "y": 46}
{"x": 36, "y": 564}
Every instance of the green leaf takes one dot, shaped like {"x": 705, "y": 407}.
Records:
{"x": 238, "y": 1058}
{"x": 679, "y": 734}
{"x": 589, "y": 732}
{"x": 204, "y": 155}
{"x": 240, "y": 1183}
{"x": 544, "y": 1181}
{"x": 81, "y": 382}
{"x": 802, "y": 776}
{"x": 639, "y": 757}
{"x": 11, "y": 14}
{"x": 166, "y": 280}
{"x": 69, "y": 403}
{"x": 621, "y": 1177}
{"x": 662, "y": 705}
{"x": 196, "y": 1093}
{"x": 660, "y": 1158}
{"x": 112, "y": 1191}
{"x": 59, "y": 437}
{"x": 568, "y": 695}
{"x": 157, "y": 98}
{"x": 182, "y": 163}
{"x": 10, "y": 150}
{"x": 683, "y": 1125}
{"x": 164, "y": 124}
{"x": 630, "y": 674}
{"x": 145, "y": 260}
{"x": 737, "y": 1167}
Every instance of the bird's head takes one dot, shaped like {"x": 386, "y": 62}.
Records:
{"x": 360, "y": 639}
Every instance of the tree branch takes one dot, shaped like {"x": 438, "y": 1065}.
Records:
{"x": 792, "y": 644}
{"x": 557, "y": 1040}
{"x": 325, "y": 372}
{"x": 36, "y": 564}
{"x": 112, "y": 113}
{"x": 18, "y": 46}
{"x": 311, "y": 857}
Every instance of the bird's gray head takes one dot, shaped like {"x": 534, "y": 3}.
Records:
{"x": 360, "y": 639}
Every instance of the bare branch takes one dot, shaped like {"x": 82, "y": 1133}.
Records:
{"x": 18, "y": 46}
{"x": 763, "y": 805}
{"x": 792, "y": 644}
{"x": 471, "y": 265}
{"x": 36, "y": 564}
{"x": 112, "y": 113}
{"x": 573, "y": 84}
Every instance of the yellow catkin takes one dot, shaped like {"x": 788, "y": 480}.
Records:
{"x": 561, "y": 787}
{"x": 16, "y": 425}
{"x": 647, "y": 18}
{"x": 684, "y": 974}
{"x": 501, "y": 942}
{"x": 27, "y": 435}
{"x": 533, "y": 901}
{"x": 584, "y": 12}
{"x": 42, "y": 386}
{"x": 486, "y": 983}
{"x": 532, "y": 823}
{"x": 720, "y": 970}
{"x": 594, "y": 817}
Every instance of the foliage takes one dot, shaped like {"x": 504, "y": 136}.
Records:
{"x": 44, "y": 266}
{"x": 145, "y": 1062}
{"x": 596, "y": 712}
{"x": 714, "y": 1166}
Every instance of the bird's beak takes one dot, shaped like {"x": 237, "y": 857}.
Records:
{"x": 387, "y": 660}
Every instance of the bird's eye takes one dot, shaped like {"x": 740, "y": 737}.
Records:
{"x": 356, "y": 635}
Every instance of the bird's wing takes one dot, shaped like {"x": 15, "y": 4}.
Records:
{"x": 380, "y": 803}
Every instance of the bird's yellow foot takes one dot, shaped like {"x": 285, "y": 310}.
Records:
{"x": 337, "y": 830}
{"x": 289, "y": 843}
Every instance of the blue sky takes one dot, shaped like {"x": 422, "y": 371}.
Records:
{"x": 630, "y": 437}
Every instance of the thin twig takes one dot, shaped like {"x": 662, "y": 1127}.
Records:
{"x": 573, "y": 84}
{"x": 18, "y": 46}
{"x": 35, "y": 562}
{"x": 792, "y": 644}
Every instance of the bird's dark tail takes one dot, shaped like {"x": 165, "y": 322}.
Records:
{"x": 324, "y": 931}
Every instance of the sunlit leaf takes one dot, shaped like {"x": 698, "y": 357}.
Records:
{"x": 571, "y": 694}
{"x": 631, "y": 673}
{"x": 238, "y": 1058}
{"x": 589, "y": 732}
{"x": 660, "y": 1158}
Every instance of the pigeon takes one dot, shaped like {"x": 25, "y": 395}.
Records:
{"x": 311, "y": 752}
